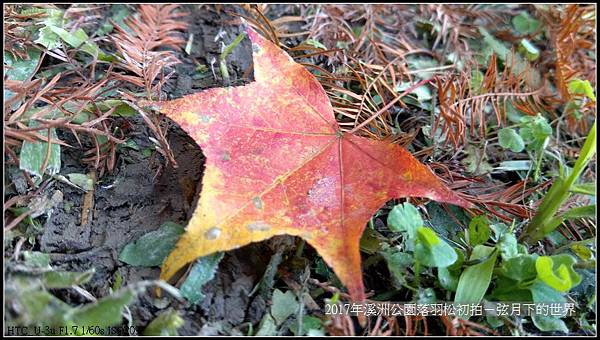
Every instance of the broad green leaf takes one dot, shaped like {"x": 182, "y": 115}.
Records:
{"x": 584, "y": 188}
{"x": 512, "y": 113}
{"x": 448, "y": 276}
{"x": 397, "y": 263}
{"x": 309, "y": 323}
{"x": 525, "y": 24}
{"x": 479, "y": 230}
{"x": 62, "y": 279}
{"x": 475, "y": 280}
{"x": 475, "y": 161}
{"x": 582, "y": 87}
{"x": 118, "y": 13}
{"x": 267, "y": 326}
{"x": 422, "y": 66}
{"x": 499, "y": 229}
{"x": 432, "y": 251}
{"x": 549, "y": 323}
{"x": 165, "y": 324}
{"x": 81, "y": 180}
{"x": 152, "y": 248}
{"x": 510, "y": 139}
{"x": 283, "y": 305}
{"x": 448, "y": 279}
{"x": 494, "y": 44}
{"x": 78, "y": 39}
{"x": 19, "y": 69}
{"x": 423, "y": 92}
{"x": 33, "y": 155}
{"x": 203, "y": 271}
{"x": 579, "y": 212}
{"x": 517, "y": 64}
{"x": 40, "y": 308}
{"x": 507, "y": 289}
{"x": 507, "y": 245}
{"x": 405, "y": 218}
{"x": 36, "y": 259}
{"x": 47, "y": 37}
{"x": 542, "y": 293}
{"x": 520, "y": 268}
{"x": 371, "y": 241}
{"x": 557, "y": 271}
{"x": 105, "y": 312}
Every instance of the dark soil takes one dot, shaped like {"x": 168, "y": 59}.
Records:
{"x": 144, "y": 192}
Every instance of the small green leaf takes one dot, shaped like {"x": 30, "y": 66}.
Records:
{"x": 309, "y": 323}
{"x": 267, "y": 326}
{"x": 105, "y": 312}
{"x": 582, "y": 87}
{"x": 397, "y": 263}
{"x": 81, "y": 180}
{"x": 165, "y": 324}
{"x": 542, "y": 293}
{"x": 432, "y": 251}
{"x": 315, "y": 43}
{"x": 510, "y": 139}
{"x": 520, "y": 268}
{"x": 60, "y": 279}
{"x": 549, "y": 323}
{"x": 33, "y": 154}
{"x": 580, "y": 212}
{"x": 475, "y": 161}
{"x": 507, "y": 289}
{"x": 422, "y": 66}
{"x": 78, "y": 39}
{"x": 582, "y": 251}
{"x": 283, "y": 305}
{"x": 36, "y": 259}
{"x": 423, "y": 92}
{"x": 507, "y": 245}
{"x": 479, "y": 230}
{"x": 405, "y": 218}
{"x": 202, "y": 272}
{"x": 525, "y": 24}
{"x": 48, "y": 38}
{"x": 19, "y": 69}
{"x": 584, "y": 189}
{"x": 152, "y": 248}
{"x": 530, "y": 51}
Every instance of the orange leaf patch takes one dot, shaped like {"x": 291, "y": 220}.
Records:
{"x": 277, "y": 163}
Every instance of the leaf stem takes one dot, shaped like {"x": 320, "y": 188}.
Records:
{"x": 226, "y": 51}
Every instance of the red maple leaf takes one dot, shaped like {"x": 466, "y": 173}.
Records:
{"x": 278, "y": 163}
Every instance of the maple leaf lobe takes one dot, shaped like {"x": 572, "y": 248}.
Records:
{"x": 277, "y": 163}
